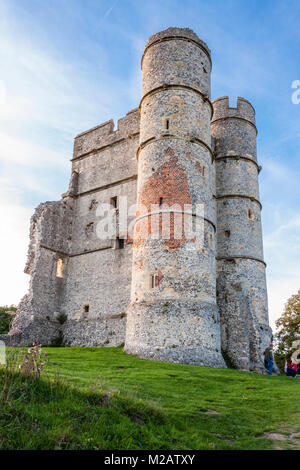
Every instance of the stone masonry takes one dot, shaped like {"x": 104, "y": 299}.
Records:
{"x": 168, "y": 298}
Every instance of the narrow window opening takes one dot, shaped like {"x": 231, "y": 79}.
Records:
{"x": 114, "y": 202}
{"x": 152, "y": 281}
{"x": 120, "y": 243}
{"x": 167, "y": 124}
{"x": 59, "y": 268}
{"x": 86, "y": 308}
{"x": 250, "y": 214}
{"x": 194, "y": 223}
{"x": 203, "y": 171}
{"x": 161, "y": 202}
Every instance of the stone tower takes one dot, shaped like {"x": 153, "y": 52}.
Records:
{"x": 241, "y": 280}
{"x": 167, "y": 291}
{"x": 173, "y": 314}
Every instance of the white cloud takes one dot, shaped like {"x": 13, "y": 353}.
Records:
{"x": 277, "y": 170}
{"x": 282, "y": 227}
{"x": 279, "y": 291}
{"x": 15, "y": 150}
{"x": 14, "y": 231}
{"x": 282, "y": 249}
{"x": 45, "y": 100}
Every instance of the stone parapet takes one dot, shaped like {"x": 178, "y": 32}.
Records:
{"x": 104, "y": 135}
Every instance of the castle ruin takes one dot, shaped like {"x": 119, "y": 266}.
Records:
{"x": 166, "y": 298}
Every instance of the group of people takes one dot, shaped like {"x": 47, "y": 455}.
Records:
{"x": 290, "y": 368}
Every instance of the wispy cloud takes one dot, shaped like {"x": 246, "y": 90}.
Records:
{"x": 45, "y": 100}
{"x": 110, "y": 9}
{"x": 14, "y": 229}
{"x": 26, "y": 153}
{"x": 281, "y": 216}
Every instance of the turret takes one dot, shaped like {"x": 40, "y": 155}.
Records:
{"x": 241, "y": 281}
{"x": 173, "y": 314}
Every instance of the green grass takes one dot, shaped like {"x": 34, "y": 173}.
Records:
{"x": 105, "y": 399}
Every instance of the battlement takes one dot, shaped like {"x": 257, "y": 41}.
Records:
{"x": 243, "y": 110}
{"x": 174, "y": 33}
{"x": 105, "y": 135}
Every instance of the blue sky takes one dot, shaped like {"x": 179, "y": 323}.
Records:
{"x": 68, "y": 65}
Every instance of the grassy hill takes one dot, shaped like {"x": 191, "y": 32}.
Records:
{"x": 91, "y": 398}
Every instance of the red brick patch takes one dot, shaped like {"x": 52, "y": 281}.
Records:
{"x": 159, "y": 276}
{"x": 169, "y": 185}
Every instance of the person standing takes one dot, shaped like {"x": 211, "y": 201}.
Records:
{"x": 269, "y": 358}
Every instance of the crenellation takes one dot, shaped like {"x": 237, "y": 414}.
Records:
{"x": 243, "y": 109}
{"x": 105, "y": 135}
{"x": 90, "y": 140}
{"x": 196, "y": 300}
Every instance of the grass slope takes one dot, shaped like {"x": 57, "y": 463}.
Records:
{"x": 105, "y": 399}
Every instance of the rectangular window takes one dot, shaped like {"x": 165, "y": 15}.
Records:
{"x": 114, "y": 202}
{"x": 59, "y": 268}
{"x": 251, "y": 215}
{"x": 161, "y": 202}
{"x": 120, "y": 243}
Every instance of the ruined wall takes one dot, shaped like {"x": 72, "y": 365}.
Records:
{"x": 173, "y": 314}
{"x": 50, "y": 240}
{"x": 96, "y": 273}
{"x": 241, "y": 281}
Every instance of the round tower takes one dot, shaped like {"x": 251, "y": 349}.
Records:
{"x": 241, "y": 280}
{"x": 173, "y": 314}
